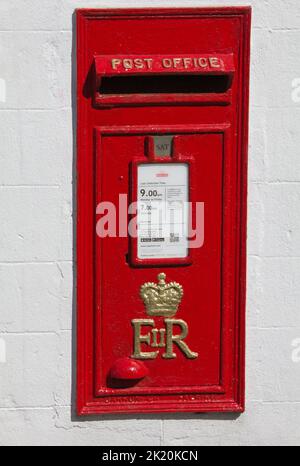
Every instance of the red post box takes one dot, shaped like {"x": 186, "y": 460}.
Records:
{"x": 162, "y": 183}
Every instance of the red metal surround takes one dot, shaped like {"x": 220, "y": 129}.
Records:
{"x": 210, "y": 130}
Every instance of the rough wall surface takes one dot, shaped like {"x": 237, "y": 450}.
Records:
{"x": 36, "y": 257}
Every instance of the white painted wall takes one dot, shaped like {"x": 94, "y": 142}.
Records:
{"x": 36, "y": 285}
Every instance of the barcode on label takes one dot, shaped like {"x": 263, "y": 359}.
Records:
{"x": 152, "y": 240}
{"x": 173, "y": 238}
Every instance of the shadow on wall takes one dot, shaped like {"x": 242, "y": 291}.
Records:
{"x": 106, "y": 417}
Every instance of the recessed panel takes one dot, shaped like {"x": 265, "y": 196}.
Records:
{"x": 134, "y": 319}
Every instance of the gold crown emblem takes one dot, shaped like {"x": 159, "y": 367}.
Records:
{"x": 161, "y": 299}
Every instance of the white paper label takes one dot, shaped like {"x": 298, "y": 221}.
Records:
{"x": 163, "y": 212}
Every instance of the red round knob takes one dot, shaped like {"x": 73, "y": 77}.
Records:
{"x": 128, "y": 369}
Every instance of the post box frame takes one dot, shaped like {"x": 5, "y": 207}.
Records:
{"x": 88, "y": 400}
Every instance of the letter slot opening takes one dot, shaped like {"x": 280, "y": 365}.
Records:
{"x": 163, "y": 80}
{"x": 165, "y": 84}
